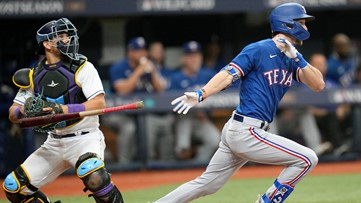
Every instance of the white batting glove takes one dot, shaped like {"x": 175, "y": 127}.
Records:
{"x": 187, "y": 101}
{"x": 291, "y": 52}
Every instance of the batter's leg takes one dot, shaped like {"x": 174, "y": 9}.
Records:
{"x": 276, "y": 150}
{"x": 221, "y": 167}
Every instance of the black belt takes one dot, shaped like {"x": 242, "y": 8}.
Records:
{"x": 240, "y": 118}
{"x": 67, "y": 135}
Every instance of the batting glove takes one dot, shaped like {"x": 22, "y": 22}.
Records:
{"x": 291, "y": 52}
{"x": 187, "y": 101}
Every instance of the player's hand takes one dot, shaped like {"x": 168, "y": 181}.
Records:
{"x": 146, "y": 65}
{"x": 291, "y": 52}
{"x": 186, "y": 102}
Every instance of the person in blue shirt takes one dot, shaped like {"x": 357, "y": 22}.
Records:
{"x": 341, "y": 63}
{"x": 196, "y": 126}
{"x": 135, "y": 73}
{"x": 267, "y": 69}
{"x": 159, "y": 125}
{"x": 212, "y": 55}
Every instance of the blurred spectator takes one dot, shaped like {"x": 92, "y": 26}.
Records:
{"x": 330, "y": 118}
{"x": 159, "y": 126}
{"x": 12, "y": 148}
{"x": 341, "y": 63}
{"x": 193, "y": 129}
{"x": 212, "y": 57}
{"x": 135, "y": 73}
{"x": 157, "y": 56}
{"x": 358, "y": 75}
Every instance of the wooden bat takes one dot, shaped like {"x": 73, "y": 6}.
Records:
{"x": 55, "y": 118}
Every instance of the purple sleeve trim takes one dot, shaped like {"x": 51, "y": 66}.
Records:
{"x": 75, "y": 108}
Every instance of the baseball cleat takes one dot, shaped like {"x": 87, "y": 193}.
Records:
{"x": 259, "y": 199}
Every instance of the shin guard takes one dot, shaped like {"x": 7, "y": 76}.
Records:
{"x": 90, "y": 169}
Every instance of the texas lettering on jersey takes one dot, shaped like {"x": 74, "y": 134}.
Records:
{"x": 278, "y": 76}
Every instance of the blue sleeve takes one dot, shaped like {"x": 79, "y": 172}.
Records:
{"x": 116, "y": 72}
{"x": 245, "y": 60}
{"x": 175, "y": 79}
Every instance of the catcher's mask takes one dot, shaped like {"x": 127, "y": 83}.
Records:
{"x": 50, "y": 32}
{"x": 284, "y": 18}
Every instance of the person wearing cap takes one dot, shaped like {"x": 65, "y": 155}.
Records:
{"x": 133, "y": 74}
{"x": 159, "y": 125}
{"x": 194, "y": 127}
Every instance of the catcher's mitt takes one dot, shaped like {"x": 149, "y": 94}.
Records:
{"x": 34, "y": 106}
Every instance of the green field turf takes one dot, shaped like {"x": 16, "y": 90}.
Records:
{"x": 313, "y": 189}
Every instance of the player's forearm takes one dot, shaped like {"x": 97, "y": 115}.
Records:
{"x": 312, "y": 78}
{"x": 126, "y": 86}
{"x": 98, "y": 102}
{"x": 219, "y": 82}
{"x": 158, "y": 82}
{"x": 16, "y": 112}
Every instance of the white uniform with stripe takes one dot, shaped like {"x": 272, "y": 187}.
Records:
{"x": 266, "y": 74}
{"x": 57, "y": 155}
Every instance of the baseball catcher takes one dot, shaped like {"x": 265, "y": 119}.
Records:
{"x": 63, "y": 81}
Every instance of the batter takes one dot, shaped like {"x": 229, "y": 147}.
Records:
{"x": 267, "y": 69}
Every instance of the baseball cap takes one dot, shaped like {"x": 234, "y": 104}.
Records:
{"x": 192, "y": 47}
{"x": 136, "y": 43}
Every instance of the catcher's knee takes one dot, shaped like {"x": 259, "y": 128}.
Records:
{"x": 90, "y": 169}
{"x": 15, "y": 182}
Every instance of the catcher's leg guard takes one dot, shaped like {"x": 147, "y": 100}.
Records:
{"x": 90, "y": 169}
{"x": 280, "y": 195}
{"x": 15, "y": 182}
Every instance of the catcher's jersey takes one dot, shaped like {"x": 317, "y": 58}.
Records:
{"x": 89, "y": 80}
{"x": 266, "y": 75}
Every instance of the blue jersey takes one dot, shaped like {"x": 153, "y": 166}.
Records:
{"x": 180, "y": 81}
{"x": 122, "y": 70}
{"x": 266, "y": 75}
{"x": 339, "y": 71}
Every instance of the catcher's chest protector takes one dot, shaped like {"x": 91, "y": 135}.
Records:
{"x": 56, "y": 82}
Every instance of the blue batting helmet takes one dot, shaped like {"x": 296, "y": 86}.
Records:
{"x": 52, "y": 29}
{"x": 284, "y": 18}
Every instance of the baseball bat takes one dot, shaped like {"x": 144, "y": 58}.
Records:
{"x": 54, "y": 118}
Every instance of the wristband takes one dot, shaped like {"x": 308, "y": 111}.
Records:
{"x": 301, "y": 61}
{"x": 201, "y": 95}
{"x": 75, "y": 108}
{"x": 17, "y": 112}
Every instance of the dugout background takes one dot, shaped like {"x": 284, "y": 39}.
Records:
{"x": 103, "y": 40}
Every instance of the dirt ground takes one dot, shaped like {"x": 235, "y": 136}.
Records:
{"x": 126, "y": 181}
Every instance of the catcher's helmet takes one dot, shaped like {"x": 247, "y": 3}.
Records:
{"x": 283, "y": 19}
{"x": 55, "y": 27}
